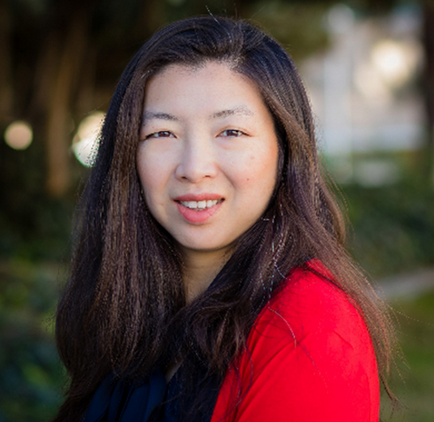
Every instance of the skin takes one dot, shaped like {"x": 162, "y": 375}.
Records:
{"x": 206, "y": 135}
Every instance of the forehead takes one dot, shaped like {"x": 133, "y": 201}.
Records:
{"x": 209, "y": 85}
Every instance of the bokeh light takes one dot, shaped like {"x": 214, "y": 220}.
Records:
{"x": 395, "y": 61}
{"x": 371, "y": 85}
{"x": 85, "y": 142}
{"x": 340, "y": 19}
{"x": 19, "y": 135}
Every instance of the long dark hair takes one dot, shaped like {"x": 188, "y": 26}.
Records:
{"x": 124, "y": 309}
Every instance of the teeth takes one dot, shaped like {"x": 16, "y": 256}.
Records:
{"x": 191, "y": 204}
{"x": 201, "y": 205}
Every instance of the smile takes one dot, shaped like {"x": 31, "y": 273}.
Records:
{"x": 198, "y": 209}
{"x": 200, "y": 205}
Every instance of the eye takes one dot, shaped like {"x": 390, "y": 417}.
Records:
{"x": 234, "y": 133}
{"x": 161, "y": 134}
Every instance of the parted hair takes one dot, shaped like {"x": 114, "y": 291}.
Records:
{"x": 123, "y": 309}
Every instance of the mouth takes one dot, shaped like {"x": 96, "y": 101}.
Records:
{"x": 200, "y": 205}
{"x": 198, "y": 208}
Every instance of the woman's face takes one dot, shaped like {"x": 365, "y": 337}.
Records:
{"x": 208, "y": 155}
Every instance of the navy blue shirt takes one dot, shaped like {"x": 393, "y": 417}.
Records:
{"x": 151, "y": 400}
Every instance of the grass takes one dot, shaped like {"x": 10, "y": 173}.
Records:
{"x": 413, "y": 379}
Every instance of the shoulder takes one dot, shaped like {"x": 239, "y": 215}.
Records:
{"x": 309, "y": 355}
{"x": 309, "y": 301}
{"x": 311, "y": 315}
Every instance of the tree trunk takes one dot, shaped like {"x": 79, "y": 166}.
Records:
{"x": 428, "y": 81}
{"x": 6, "y": 96}
{"x": 71, "y": 54}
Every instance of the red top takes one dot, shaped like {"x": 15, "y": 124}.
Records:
{"x": 310, "y": 358}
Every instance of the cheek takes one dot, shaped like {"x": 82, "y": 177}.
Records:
{"x": 257, "y": 177}
{"x": 262, "y": 168}
{"x": 151, "y": 180}
{"x": 152, "y": 190}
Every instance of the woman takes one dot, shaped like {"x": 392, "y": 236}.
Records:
{"x": 209, "y": 281}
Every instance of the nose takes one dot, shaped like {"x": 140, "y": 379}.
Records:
{"x": 197, "y": 161}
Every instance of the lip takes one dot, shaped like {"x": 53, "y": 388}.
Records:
{"x": 196, "y": 216}
{"x": 198, "y": 197}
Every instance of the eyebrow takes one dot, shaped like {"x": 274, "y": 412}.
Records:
{"x": 241, "y": 110}
{"x": 149, "y": 115}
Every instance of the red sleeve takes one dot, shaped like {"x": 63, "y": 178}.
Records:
{"x": 310, "y": 359}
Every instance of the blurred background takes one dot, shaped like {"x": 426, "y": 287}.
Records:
{"x": 369, "y": 70}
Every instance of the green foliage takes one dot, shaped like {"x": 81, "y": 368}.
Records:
{"x": 392, "y": 227}
{"x": 298, "y": 26}
{"x": 32, "y": 224}
{"x": 31, "y": 374}
{"x": 413, "y": 378}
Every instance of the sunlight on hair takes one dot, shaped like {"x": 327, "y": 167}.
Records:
{"x": 85, "y": 141}
{"x": 19, "y": 135}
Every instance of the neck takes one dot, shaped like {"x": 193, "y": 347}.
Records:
{"x": 200, "y": 269}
